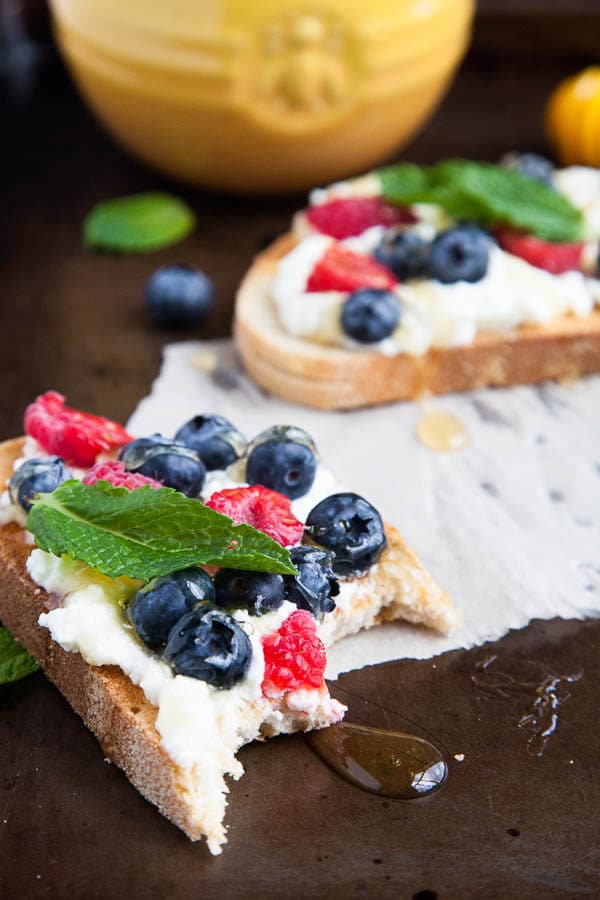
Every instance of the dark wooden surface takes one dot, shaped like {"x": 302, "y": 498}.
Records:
{"x": 509, "y": 824}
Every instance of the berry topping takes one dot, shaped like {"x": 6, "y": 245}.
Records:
{"x": 161, "y": 603}
{"x": 340, "y": 269}
{"x": 267, "y": 510}
{"x": 294, "y": 656}
{"x": 459, "y": 254}
{"x": 258, "y": 592}
{"x": 208, "y": 644}
{"x": 351, "y": 529}
{"x": 405, "y": 253}
{"x": 346, "y": 217}
{"x": 178, "y": 296}
{"x": 531, "y": 164}
{"x": 554, "y": 258}
{"x": 76, "y": 436}
{"x": 167, "y": 461}
{"x": 214, "y": 439}
{"x": 282, "y": 458}
{"x": 115, "y": 473}
{"x": 315, "y": 585}
{"x": 370, "y": 315}
{"x": 36, "y": 476}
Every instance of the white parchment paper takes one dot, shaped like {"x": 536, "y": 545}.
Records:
{"x": 509, "y": 525}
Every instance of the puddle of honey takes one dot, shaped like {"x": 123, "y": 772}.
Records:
{"x": 388, "y": 763}
{"x": 205, "y": 360}
{"x": 440, "y": 430}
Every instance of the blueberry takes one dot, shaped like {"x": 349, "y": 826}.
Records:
{"x": 405, "y": 253}
{"x": 208, "y": 644}
{"x": 258, "y": 592}
{"x": 214, "y": 439}
{"x": 315, "y": 585}
{"x": 159, "y": 605}
{"x": 459, "y": 254}
{"x": 168, "y": 461}
{"x": 178, "y": 296}
{"x": 284, "y": 459}
{"x": 351, "y": 528}
{"x": 531, "y": 164}
{"x": 370, "y": 315}
{"x": 41, "y": 475}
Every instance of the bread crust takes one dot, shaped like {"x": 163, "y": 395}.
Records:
{"x": 334, "y": 378}
{"x": 117, "y": 711}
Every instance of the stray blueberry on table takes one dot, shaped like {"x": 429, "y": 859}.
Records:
{"x": 178, "y": 296}
{"x": 207, "y": 643}
{"x": 168, "y": 461}
{"x": 283, "y": 458}
{"x": 159, "y": 605}
{"x": 41, "y": 475}
{"x": 405, "y": 253}
{"x": 370, "y": 315}
{"x": 459, "y": 254}
{"x": 315, "y": 585}
{"x": 258, "y": 592}
{"x": 351, "y": 528}
{"x": 216, "y": 441}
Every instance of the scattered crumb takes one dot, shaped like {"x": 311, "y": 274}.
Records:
{"x": 571, "y": 761}
{"x": 38, "y": 876}
{"x": 459, "y": 757}
{"x": 205, "y": 360}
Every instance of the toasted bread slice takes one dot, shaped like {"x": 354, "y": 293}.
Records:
{"x": 118, "y": 712}
{"x": 334, "y": 378}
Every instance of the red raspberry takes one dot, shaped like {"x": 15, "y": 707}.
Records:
{"x": 340, "y": 269}
{"x": 267, "y": 510}
{"x": 554, "y": 258}
{"x": 76, "y": 436}
{"x": 114, "y": 471}
{"x": 346, "y": 217}
{"x": 294, "y": 656}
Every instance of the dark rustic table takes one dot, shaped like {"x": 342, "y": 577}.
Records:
{"x": 509, "y": 823}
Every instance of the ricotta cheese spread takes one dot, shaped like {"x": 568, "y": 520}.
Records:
{"x": 433, "y": 314}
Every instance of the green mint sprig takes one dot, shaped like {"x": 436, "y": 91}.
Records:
{"x": 15, "y": 661}
{"x": 146, "y": 532}
{"x": 140, "y": 223}
{"x": 484, "y": 193}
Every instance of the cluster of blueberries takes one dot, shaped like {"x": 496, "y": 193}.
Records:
{"x": 459, "y": 254}
{"x": 186, "y": 616}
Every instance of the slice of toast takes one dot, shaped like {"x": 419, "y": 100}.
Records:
{"x": 334, "y": 378}
{"x": 118, "y": 712}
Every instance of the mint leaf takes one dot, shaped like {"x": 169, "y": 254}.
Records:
{"x": 15, "y": 662}
{"x": 146, "y": 532}
{"x": 491, "y": 195}
{"x": 139, "y": 223}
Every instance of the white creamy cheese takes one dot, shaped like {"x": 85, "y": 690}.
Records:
{"x": 511, "y": 293}
{"x": 581, "y": 185}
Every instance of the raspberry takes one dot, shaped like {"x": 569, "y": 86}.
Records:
{"x": 554, "y": 258}
{"x": 114, "y": 471}
{"x": 76, "y": 436}
{"x": 294, "y": 656}
{"x": 346, "y": 217}
{"x": 343, "y": 270}
{"x": 267, "y": 510}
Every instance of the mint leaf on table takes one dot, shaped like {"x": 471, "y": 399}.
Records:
{"x": 482, "y": 192}
{"x": 145, "y": 532}
{"x": 139, "y": 223}
{"x": 15, "y": 661}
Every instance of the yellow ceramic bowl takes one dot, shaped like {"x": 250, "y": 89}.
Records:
{"x": 262, "y": 95}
